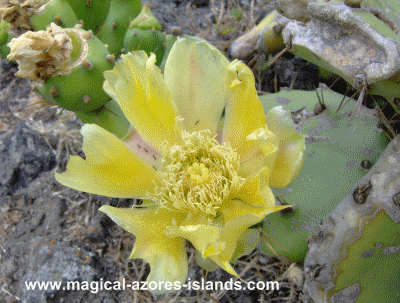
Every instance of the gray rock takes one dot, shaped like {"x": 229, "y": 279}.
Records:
{"x": 41, "y": 211}
{"x": 44, "y": 260}
{"x": 63, "y": 263}
{"x": 23, "y": 157}
{"x": 13, "y": 89}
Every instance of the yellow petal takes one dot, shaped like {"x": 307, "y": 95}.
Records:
{"x": 252, "y": 161}
{"x": 280, "y": 122}
{"x": 291, "y": 147}
{"x": 108, "y": 85}
{"x": 139, "y": 87}
{"x": 249, "y": 206}
{"x": 225, "y": 265}
{"x": 232, "y": 230}
{"x": 268, "y": 143}
{"x": 110, "y": 168}
{"x": 166, "y": 256}
{"x": 201, "y": 236}
{"x": 248, "y": 199}
{"x": 194, "y": 74}
{"x": 288, "y": 163}
{"x": 244, "y": 112}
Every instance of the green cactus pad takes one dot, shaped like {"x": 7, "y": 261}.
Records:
{"x": 57, "y": 11}
{"x": 298, "y": 223}
{"x": 335, "y": 149}
{"x": 372, "y": 264}
{"x": 145, "y": 39}
{"x": 81, "y": 90}
{"x": 93, "y": 13}
{"x": 110, "y": 117}
{"x": 387, "y": 10}
{"x": 4, "y": 27}
{"x": 5, "y": 38}
{"x": 354, "y": 255}
{"x": 4, "y": 49}
{"x": 113, "y": 30}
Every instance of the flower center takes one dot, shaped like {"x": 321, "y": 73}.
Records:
{"x": 201, "y": 174}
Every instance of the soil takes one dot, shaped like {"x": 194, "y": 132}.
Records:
{"x": 50, "y": 232}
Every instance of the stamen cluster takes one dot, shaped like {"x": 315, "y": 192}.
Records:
{"x": 200, "y": 176}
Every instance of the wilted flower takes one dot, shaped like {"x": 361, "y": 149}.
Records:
{"x": 18, "y": 12}
{"x": 41, "y": 54}
{"x": 201, "y": 154}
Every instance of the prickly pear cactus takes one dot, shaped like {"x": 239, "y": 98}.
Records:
{"x": 81, "y": 89}
{"x": 113, "y": 30}
{"x": 355, "y": 255}
{"x": 338, "y": 154}
{"x": 37, "y": 14}
{"x": 70, "y": 64}
{"x": 357, "y": 40}
{"x": 57, "y": 11}
{"x": 93, "y": 13}
{"x": 110, "y": 117}
{"x": 144, "y": 33}
{"x": 5, "y": 38}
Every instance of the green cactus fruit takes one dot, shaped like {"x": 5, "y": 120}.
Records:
{"x": 80, "y": 88}
{"x": 110, "y": 117}
{"x": 335, "y": 150}
{"x": 113, "y": 30}
{"x": 145, "y": 20}
{"x": 355, "y": 254}
{"x": 93, "y": 13}
{"x": 144, "y": 34}
{"x": 145, "y": 39}
{"x": 57, "y": 11}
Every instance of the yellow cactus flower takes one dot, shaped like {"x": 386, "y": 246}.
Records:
{"x": 201, "y": 153}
